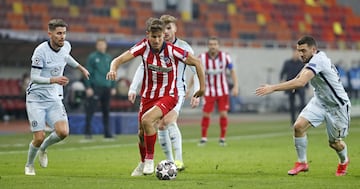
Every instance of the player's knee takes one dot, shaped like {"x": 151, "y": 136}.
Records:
{"x": 336, "y": 145}
{"x": 298, "y": 128}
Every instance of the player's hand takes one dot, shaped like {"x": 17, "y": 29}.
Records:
{"x": 199, "y": 93}
{"x": 62, "y": 80}
{"x": 264, "y": 90}
{"x": 85, "y": 72}
{"x": 132, "y": 97}
{"x": 194, "y": 102}
{"x": 111, "y": 75}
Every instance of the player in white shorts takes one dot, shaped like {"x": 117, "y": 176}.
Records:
{"x": 45, "y": 93}
{"x": 330, "y": 104}
{"x": 169, "y": 134}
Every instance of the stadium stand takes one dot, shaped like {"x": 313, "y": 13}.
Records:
{"x": 331, "y": 22}
{"x": 276, "y": 20}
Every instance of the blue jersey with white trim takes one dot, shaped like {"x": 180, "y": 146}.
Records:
{"x": 52, "y": 64}
{"x": 327, "y": 84}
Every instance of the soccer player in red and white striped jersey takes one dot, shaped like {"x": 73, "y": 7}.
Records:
{"x": 215, "y": 64}
{"x": 158, "y": 91}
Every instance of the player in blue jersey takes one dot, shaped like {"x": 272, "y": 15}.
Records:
{"x": 45, "y": 93}
{"x": 330, "y": 104}
{"x": 170, "y": 138}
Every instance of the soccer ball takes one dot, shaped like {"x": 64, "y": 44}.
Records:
{"x": 166, "y": 170}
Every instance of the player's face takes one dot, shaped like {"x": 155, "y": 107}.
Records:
{"x": 305, "y": 52}
{"x": 156, "y": 40}
{"x": 57, "y": 37}
{"x": 170, "y": 30}
{"x": 213, "y": 46}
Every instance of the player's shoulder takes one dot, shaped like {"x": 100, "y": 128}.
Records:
{"x": 183, "y": 44}
{"x": 320, "y": 56}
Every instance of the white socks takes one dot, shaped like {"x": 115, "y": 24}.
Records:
{"x": 171, "y": 138}
{"x": 343, "y": 154}
{"x": 50, "y": 140}
{"x": 31, "y": 154}
{"x": 301, "y": 147}
{"x": 176, "y": 140}
{"x": 165, "y": 143}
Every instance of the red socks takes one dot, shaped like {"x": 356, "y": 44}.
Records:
{"x": 205, "y": 122}
{"x": 150, "y": 146}
{"x": 223, "y": 126}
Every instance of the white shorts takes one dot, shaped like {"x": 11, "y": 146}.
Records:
{"x": 337, "y": 119}
{"x": 179, "y": 104}
{"x": 42, "y": 113}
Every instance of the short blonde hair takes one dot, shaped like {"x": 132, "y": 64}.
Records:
{"x": 168, "y": 19}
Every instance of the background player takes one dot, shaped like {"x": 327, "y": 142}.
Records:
{"x": 159, "y": 94}
{"x": 330, "y": 103}
{"x": 45, "y": 93}
{"x": 215, "y": 63}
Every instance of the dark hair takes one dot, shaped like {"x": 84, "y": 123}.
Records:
{"x": 154, "y": 25}
{"x": 310, "y": 41}
{"x": 54, "y": 23}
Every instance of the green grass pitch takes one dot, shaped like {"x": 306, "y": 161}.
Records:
{"x": 258, "y": 155}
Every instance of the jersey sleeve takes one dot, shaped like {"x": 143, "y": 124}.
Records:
{"x": 229, "y": 63}
{"x": 37, "y": 59}
{"x": 314, "y": 64}
{"x": 180, "y": 53}
{"x": 139, "y": 48}
{"x": 138, "y": 77}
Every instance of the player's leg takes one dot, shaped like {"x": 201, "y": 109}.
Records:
{"x": 164, "y": 140}
{"x": 56, "y": 118}
{"x": 36, "y": 116}
{"x": 175, "y": 137}
{"x": 151, "y": 116}
{"x": 337, "y": 125}
{"x": 205, "y": 121}
{"x": 223, "y": 106}
{"x": 312, "y": 115}
{"x": 138, "y": 171}
{"x": 174, "y": 132}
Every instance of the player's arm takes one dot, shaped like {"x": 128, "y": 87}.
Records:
{"x": 235, "y": 89}
{"x": 73, "y": 63}
{"x": 300, "y": 80}
{"x": 116, "y": 62}
{"x": 138, "y": 77}
{"x": 194, "y": 61}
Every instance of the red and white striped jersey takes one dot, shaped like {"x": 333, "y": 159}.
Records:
{"x": 215, "y": 73}
{"x": 160, "y": 68}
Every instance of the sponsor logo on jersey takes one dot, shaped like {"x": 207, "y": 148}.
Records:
{"x": 159, "y": 68}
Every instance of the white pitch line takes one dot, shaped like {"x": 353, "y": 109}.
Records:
{"x": 244, "y": 137}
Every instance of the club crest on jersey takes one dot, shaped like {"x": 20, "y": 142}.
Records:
{"x": 55, "y": 71}
{"x": 34, "y": 124}
{"x": 166, "y": 60}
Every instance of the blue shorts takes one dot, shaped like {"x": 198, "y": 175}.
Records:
{"x": 337, "y": 118}
{"x": 42, "y": 113}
